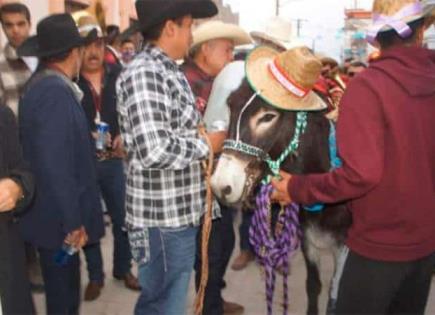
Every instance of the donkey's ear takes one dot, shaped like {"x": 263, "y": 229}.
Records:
{"x": 240, "y": 95}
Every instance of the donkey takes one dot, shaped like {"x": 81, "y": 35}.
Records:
{"x": 238, "y": 174}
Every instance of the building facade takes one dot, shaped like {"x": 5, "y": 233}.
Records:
{"x": 118, "y": 12}
{"x": 225, "y": 13}
{"x": 355, "y": 26}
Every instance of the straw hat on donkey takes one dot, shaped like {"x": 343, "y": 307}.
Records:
{"x": 285, "y": 80}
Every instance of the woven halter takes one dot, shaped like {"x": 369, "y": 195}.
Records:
{"x": 248, "y": 149}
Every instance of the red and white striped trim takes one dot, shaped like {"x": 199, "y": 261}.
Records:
{"x": 279, "y": 74}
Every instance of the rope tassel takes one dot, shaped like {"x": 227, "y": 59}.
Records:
{"x": 273, "y": 248}
{"x": 206, "y": 228}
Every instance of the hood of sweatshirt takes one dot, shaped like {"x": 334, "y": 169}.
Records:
{"x": 413, "y": 68}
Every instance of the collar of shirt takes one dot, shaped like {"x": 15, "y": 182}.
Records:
{"x": 190, "y": 65}
{"x": 10, "y": 52}
{"x": 157, "y": 53}
{"x": 54, "y": 70}
{"x": 96, "y": 95}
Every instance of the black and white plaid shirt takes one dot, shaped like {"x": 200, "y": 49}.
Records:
{"x": 158, "y": 122}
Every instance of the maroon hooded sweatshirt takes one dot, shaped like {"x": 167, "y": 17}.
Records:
{"x": 386, "y": 139}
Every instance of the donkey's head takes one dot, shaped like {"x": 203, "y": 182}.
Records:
{"x": 268, "y": 116}
{"x": 264, "y": 130}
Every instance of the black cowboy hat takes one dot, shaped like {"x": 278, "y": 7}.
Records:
{"x": 154, "y": 12}
{"x": 130, "y": 31}
{"x": 55, "y": 34}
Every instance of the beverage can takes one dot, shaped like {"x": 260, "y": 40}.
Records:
{"x": 218, "y": 125}
{"x": 102, "y": 127}
{"x": 101, "y": 141}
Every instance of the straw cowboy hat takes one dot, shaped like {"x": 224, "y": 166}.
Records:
{"x": 285, "y": 80}
{"x": 217, "y": 29}
{"x": 397, "y": 14}
{"x": 278, "y": 32}
{"x": 55, "y": 34}
{"x": 153, "y": 12}
{"x": 88, "y": 23}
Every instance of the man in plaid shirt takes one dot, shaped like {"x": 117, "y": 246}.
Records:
{"x": 212, "y": 49}
{"x": 165, "y": 194}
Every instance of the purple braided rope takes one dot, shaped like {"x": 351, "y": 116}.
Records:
{"x": 273, "y": 249}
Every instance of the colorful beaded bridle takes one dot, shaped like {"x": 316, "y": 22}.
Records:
{"x": 248, "y": 149}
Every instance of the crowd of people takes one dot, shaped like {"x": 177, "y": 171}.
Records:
{"x": 94, "y": 119}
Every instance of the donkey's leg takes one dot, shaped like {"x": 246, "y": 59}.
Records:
{"x": 340, "y": 252}
{"x": 313, "y": 283}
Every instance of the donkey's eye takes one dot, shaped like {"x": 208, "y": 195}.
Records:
{"x": 266, "y": 118}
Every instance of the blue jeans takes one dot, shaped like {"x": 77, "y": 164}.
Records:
{"x": 111, "y": 182}
{"x": 165, "y": 277}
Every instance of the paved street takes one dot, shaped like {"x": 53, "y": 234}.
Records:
{"x": 246, "y": 287}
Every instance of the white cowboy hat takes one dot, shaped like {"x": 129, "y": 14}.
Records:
{"x": 87, "y": 23}
{"x": 217, "y": 29}
{"x": 278, "y": 32}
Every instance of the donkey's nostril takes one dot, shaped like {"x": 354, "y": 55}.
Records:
{"x": 227, "y": 190}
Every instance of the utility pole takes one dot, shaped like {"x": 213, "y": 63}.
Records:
{"x": 299, "y": 26}
{"x": 276, "y": 7}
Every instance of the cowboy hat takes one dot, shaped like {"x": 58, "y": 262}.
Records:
{"x": 88, "y": 23}
{"x": 285, "y": 80}
{"x": 397, "y": 14}
{"x": 154, "y": 12}
{"x": 130, "y": 31}
{"x": 55, "y": 34}
{"x": 326, "y": 60}
{"x": 278, "y": 32}
{"x": 217, "y": 29}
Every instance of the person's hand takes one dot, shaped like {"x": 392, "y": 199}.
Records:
{"x": 10, "y": 193}
{"x": 217, "y": 140}
{"x": 280, "y": 189}
{"x": 333, "y": 115}
{"x": 77, "y": 238}
{"x": 108, "y": 138}
{"x": 118, "y": 147}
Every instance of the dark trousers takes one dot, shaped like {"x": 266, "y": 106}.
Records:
{"x": 15, "y": 295}
{"x": 220, "y": 248}
{"x": 94, "y": 262}
{"x": 244, "y": 230}
{"x": 62, "y": 283}
{"x": 111, "y": 182}
{"x": 377, "y": 287}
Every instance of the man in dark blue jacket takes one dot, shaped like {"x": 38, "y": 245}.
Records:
{"x": 56, "y": 142}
